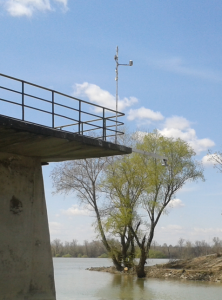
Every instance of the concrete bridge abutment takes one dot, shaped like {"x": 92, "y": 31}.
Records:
{"x": 26, "y": 269}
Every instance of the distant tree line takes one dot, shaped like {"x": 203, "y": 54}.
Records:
{"x": 73, "y": 249}
{"x": 184, "y": 249}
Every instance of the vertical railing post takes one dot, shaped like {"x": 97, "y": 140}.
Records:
{"x": 82, "y": 128}
{"x": 53, "y": 110}
{"x": 23, "y": 100}
{"x": 79, "y": 115}
{"x": 104, "y": 125}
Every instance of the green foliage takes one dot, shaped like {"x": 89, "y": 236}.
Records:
{"x": 156, "y": 254}
{"x": 58, "y": 255}
{"x": 139, "y": 186}
{"x": 104, "y": 255}
{"x": 67, "y": 255}
{"x": 137, "y": 252}
{"x": 79, "y": 255}
{"x": 84, "y": 256}
{"x": 125, "y": 183}
{"x": 140, "y": 180}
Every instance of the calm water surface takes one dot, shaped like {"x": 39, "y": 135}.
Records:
{"x": 74, "y": 282}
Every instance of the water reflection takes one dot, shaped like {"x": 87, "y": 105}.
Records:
{"x": 140, "y": 283}
{"x": 125, "y": 287}
{"x": 74, "y": 282}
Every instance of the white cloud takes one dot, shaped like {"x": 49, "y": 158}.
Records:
{"x": 18, "y": 8}
{"x": 176, "y": 203}
{"x": 139, "y": 135}
{"x": 176, "y": 127}
{"x": 179, "y": 66}
{"x": 75, "y": 210}
{"x": 55, "y": 228}
{"x": 206, "y": 160}
{"x": 179, "y": 127}
{"x": 64, "y": 2}
{"x": 144, "y": 113}
{"x": 171, "y": 234}
{"x": 200, "y": 145}
{"x": 177, "y": 122}
{"x": 102, "y": 97}
{"x": 172, "y": 227}
{"x": 207, "y": 231}
{"x": 212, "y": 160}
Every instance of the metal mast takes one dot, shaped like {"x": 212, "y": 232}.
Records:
{"x": 116, "y": 57}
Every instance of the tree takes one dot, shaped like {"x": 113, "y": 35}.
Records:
{"x": 57, "y": 248}
{"x": 181, "y": 245}
{"x": 83, "y": 178}
{"x": 114, "y": 226}
{"x": 139, "y": 181}
{"x": 124, "y": 185}
{"x": 216, "y": 159}
{"x": 217, "y": 244}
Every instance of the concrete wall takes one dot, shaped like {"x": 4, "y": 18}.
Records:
{"x": 26, "y": 270}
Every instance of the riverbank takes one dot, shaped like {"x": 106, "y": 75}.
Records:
{"x": 203, "y": 268}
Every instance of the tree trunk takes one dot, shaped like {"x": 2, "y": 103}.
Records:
{"x": 132, "y": 253}
{"x": 116, "y": 263}
{"x": 127, "y": 256}
{"x": 140, "y": 271}
{"x": 124, "y": 252}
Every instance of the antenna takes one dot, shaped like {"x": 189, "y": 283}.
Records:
{"x": 116, "y": 58}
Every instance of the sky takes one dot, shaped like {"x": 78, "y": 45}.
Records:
{"x": 174, "y": 85}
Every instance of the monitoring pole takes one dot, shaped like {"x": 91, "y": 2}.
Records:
{"x": 116, "y": 57}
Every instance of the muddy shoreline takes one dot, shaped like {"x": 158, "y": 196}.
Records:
{"x": 204, "y": 268}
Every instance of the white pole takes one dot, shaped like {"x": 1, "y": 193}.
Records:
{"x": 117, "y": 65}
{"x": 116, "y": 57}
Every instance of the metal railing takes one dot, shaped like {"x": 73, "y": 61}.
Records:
{"x": 98, "y": 120}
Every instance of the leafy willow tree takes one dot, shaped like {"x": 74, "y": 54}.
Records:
{"x": 123, "y": 185}
{"x": 139, "y": 184}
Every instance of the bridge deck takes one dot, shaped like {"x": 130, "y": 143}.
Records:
{"x": 51, "y": 145}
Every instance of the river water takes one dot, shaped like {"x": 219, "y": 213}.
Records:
{"x": 74, "y": 282}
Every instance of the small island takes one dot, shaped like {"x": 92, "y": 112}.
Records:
{"x": 203, "y": 268}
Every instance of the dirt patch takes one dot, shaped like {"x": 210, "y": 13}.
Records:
{"x": 204, "y": 268}
{"x": 112, "y": 270}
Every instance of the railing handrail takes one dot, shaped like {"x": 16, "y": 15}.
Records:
{"x": 59, "y": 93}
{"x": 78, "y": 122}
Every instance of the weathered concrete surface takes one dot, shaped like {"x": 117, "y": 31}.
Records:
{"x": 51, "y": 145}
{"x": 26, "y": 270}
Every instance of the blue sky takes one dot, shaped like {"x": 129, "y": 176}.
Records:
{"x": 174, "y": 85}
